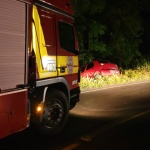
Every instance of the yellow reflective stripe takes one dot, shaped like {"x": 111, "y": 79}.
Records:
{"x": 39, "y": 48}
{"x": 36, "y": 46}
{"x": 35, "y": 36}
{"x": 63, "y": 63}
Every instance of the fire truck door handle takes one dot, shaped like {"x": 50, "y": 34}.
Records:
{"x": 62, "y": 69}
{"x": 46, "y": 45}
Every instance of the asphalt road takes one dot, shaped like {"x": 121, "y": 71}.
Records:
{"x": 112, "y": 118}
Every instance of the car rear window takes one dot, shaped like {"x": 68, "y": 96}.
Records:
{"x": 82, "y": 69}
{"x": 90, "y": 65}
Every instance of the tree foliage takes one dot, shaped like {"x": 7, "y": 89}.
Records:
{"x": 124, "y": 25}
{"x": 114, "y": 27}
{"x": 86, "y": 20}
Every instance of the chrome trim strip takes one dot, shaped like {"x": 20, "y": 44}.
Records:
{"x": 51, "y": 81}
{"x": 44, "y": 94}
{"x": 12, "y": 92}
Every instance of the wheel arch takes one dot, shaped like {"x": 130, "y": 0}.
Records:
{"x": 55, "y": 83}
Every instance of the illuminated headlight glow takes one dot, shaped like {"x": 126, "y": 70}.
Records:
{"x": 40, "y": 108}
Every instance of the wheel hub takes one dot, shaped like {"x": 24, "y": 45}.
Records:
{"x": 53, "y": 114}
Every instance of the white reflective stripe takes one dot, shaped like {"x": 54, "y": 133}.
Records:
{"x": 44, "y": 94}
{"x": 13, "y": 92}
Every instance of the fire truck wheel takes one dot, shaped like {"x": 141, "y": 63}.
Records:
{"x": 56, "y": 112}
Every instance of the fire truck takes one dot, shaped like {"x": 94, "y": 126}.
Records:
{"x": 39, "y": 69}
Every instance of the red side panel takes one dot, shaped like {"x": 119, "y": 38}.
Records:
{"x": 64, "y": 5}
{"x": 13, "y": 112}
{"x": 4, "y": 116}
{"x": 48, "y": 27}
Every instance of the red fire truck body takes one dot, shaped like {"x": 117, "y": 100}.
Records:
{"x": 38, "y": 65}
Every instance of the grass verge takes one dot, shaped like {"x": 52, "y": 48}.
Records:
{"x": 140, "y": 74}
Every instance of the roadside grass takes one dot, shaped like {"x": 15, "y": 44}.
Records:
{"x": 141, "y": 73}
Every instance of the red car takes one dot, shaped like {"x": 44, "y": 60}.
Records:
{"x": 99, "y": 67}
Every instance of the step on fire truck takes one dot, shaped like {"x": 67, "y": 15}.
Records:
{"x": 39, "y": 70}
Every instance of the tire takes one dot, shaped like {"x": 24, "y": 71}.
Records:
{"x": 55, "y": 114}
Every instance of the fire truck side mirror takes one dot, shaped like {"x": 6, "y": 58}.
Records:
{"x": 86, "y": 40}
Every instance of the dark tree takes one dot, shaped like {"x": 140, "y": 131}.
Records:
{"x": 115, "y": 29}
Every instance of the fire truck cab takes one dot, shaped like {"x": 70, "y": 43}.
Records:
{"x": 38, "y": 65}
{"x": 54, "y": 74}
